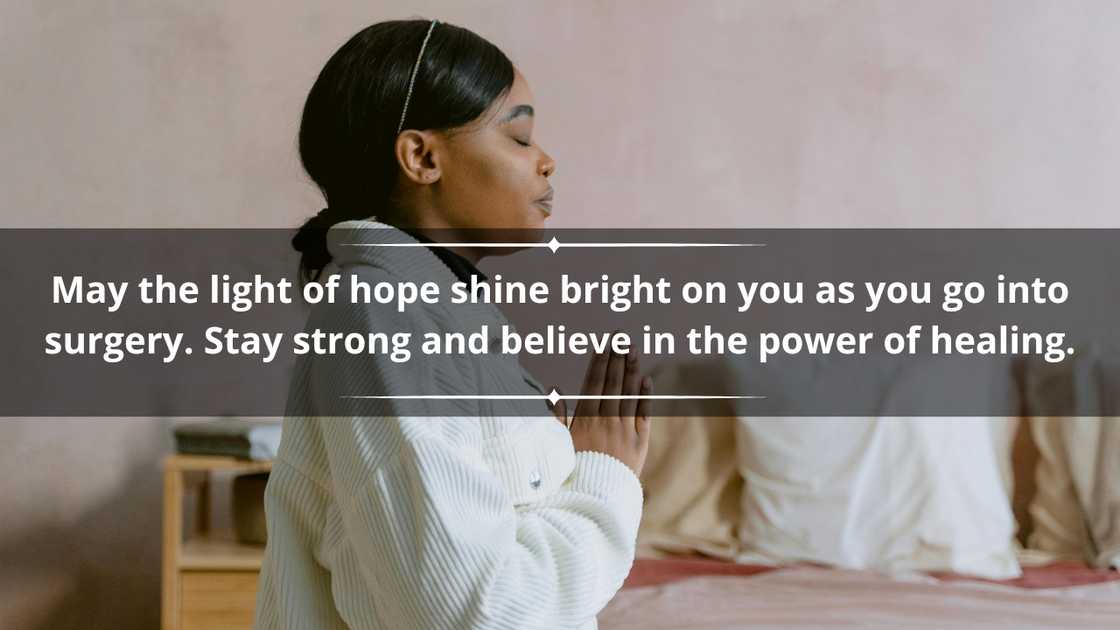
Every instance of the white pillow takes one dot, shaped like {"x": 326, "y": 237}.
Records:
{"x": 887, "y": 493}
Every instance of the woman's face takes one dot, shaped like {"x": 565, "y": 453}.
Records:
{"x": 492, "y": 174}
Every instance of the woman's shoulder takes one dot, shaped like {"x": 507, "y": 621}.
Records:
{"x": 366, "y": 296}
{"x": 372, "y": 443}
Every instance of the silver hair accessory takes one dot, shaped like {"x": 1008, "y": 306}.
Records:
{"x": 412, "y": 79}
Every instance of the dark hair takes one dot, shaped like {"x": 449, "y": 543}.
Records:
{"x": 349, "y": 126}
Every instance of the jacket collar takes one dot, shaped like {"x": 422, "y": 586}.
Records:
{"x": 401, "y": 255}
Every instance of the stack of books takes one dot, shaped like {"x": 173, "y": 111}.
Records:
{"x": 245, "y": 439}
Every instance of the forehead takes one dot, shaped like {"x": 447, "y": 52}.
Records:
{"x": 519, "y": 92}
{"x": 516, "y": 100}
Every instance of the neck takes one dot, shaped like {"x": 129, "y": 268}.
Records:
{"x": 440, "y": 232}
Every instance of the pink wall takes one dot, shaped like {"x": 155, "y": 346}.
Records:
{"x": 702, "y": 113}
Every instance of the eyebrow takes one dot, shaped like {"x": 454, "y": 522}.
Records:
{"x": 520, "y": 110}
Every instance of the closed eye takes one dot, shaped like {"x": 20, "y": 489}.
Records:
{"x": 522, "y": 142}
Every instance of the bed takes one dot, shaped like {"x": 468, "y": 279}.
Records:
{"x": 699, "y": 593}
{"x": 685, "y": 577}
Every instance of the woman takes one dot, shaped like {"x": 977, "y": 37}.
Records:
{"x": 382, "y": 515}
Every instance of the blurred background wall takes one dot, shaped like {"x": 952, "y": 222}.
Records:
{"x": 707, "y": 113}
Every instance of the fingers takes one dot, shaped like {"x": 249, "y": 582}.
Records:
{"x": 629, "y": 406}
{"x": 593, "y": 384}
{"x": 611, "y": 375}
{"x": 641, "y": 415}
{"x": 612, "y": 386}
{"x": 596, "y": 374}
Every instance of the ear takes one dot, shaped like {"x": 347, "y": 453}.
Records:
{"x": 418, "y": 154}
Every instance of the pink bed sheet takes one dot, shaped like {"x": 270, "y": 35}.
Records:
{"x": 650, "y": 572}
{"x": 708, "y": 595}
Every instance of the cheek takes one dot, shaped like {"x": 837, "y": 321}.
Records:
{"x": 508, "y": 174}
{"x": 501, "y": 185}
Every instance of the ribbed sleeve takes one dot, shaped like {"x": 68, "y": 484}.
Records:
{"x": 440, "y": 544}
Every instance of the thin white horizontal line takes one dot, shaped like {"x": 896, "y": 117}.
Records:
{"x": 548, "y": 397}
{"x": 553, "y": 246}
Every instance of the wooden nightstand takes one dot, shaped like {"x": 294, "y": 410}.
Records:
{"x": 209, "y": 580}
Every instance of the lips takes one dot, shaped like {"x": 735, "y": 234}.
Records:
{"x": 545, "y": 202}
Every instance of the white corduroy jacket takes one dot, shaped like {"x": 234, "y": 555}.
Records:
{"x": 377, "y": 521}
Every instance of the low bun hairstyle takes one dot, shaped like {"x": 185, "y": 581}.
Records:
{"x": 349, "y": 127}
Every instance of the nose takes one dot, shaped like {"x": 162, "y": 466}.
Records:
{"x": 547, "y": 166}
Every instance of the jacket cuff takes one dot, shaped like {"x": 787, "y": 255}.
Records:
{"x": 607, "y": 478}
